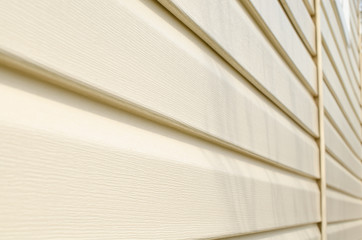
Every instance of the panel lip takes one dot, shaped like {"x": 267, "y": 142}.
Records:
{"x": 340, "y": 134}
{"x": 341, "y": 163}
{"x": 297, "y": 226}
{"x": 310, "y": 86}
{"x": 344, "y": 169}
{"x": 331, "y": 153}
{"x": 64, "y": 81}
{"x": 336, "y": 9}
{"x": 310, "y": 7}
{"x": 339, "y": 50}
{"x": 313, "y": 190}
{"x": 335, "y": 228}
{"x": 338, "y": 125}
{"x": 298, "y": 28}
{"x": 329, "y": 84}
{"x": 179, "y": 13}
{"x": 343, "y": 201}
{"x": 331, "y": 187}
{"x": 333, "y": 63}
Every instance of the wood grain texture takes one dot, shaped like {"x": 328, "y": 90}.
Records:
{"x": 339, "y": 92}
{"x": 336, "y": 60}
{"x": 339, "y": 149}
{"x": 276, "y": 24}
{"x": 341, "y": 179}
{"x": 345, "y": 129}
{"x": 142, "y": 56}
{"x": 345, "y": 230}
{"x": 302, "y": 21}
{"x": 341, "y": 43}
{"x": 74, "y": 168}
{"x": 229, "y": 30}
{"x": 308, "y": 232}
{"x": 341, "y": 207}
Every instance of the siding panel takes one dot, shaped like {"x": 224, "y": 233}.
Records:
{"x": 239, "y": 39}
{"x": 180, "y": 79}
{"x": 342, "y": 207}
{"x": 338, "y": 177}
{"x": 271, "y": 15}
{"x": 341, "y": 43}
{"x": 302, "y": 21}
{"x": 336, "y": 146}
{"x": 310, "y": 6}
{"x": 79, "y": 169}
{"x": 345, "y": 230}
{"x": 337, "y": 62}
{"x": 309, "y": 232}
{"x": 335, "y": 84}
{"x": 179, "y": 119}
{"x": 345, "y": 129}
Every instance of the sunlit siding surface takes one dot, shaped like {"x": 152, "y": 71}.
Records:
{"x": 179, "y": 119}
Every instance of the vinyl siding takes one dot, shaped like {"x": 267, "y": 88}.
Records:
{"x": 343, "y": 134}
{"x": 178, "y": 119}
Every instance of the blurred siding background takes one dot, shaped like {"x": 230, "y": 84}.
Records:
{"x": 180, "y": 119}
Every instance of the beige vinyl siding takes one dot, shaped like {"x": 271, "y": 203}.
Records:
{"x": 343, "y": 129}
{"x": 342, "y": 126}
{"x": 179, "y": 119}
{"x": 331, "y": 47}
{"x": 273, "y": 19}
{"x": 310, "y": 6}
{"x": 341, "y": 207}
{"x": 308, "y": 232}
{"x": 355, "y": 51}
{"x": 335, "y": 145}
{"x": 266, "y": 70}
{"x": 355, "y": 39}
{"x": 90, "y": 170}
{"x": 340, "y": 178}
{"x": 341, "y": 43}
{"x": 336, "y": 87}
{"x": 212, "y": 99}
{"x": 302, "y": 22}
{"x": 345, "y": 230}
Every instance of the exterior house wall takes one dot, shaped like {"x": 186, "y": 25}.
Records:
{"x": 179, "y": 119}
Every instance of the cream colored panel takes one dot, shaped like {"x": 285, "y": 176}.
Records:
{"x": 137, "y": 54}
{"x": 309, "y": 232}
{"x": 227, "y": 28}
{"x": 71, "y": 168}
{"x": 337, "y": 88}
{"x": 354, "y": 49}
{"x": 353, "y": 52}
{"x": 299, "y": 15}
{"x": 310, "y": 6}
{"x": 341, "y": 44}
{"x": 338, "y": 177}
{"x": 334, "y": 111}
{"x": 336, "y": 145}
{"x": 341, "y": 207}
{"x": 345, "y": 230}
{"x": 354, "y": 23}
{"x": 341, "y": 71}
{"x": 271, "y": 14}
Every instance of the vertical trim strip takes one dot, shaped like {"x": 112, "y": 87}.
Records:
{"x": 321, "y": 140}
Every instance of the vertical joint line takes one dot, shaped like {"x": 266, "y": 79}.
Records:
{"x": 321, "y": 140}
